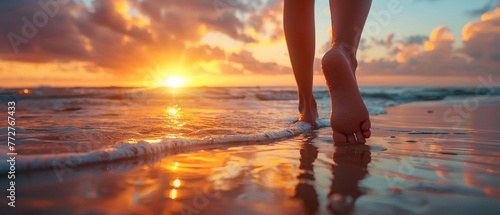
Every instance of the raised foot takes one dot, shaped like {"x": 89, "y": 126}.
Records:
{"x": 349, "y": 118}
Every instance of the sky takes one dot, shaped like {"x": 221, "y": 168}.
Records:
{"x": 71, "y": 43}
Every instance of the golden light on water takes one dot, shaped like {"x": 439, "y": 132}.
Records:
{"x": 176, "y": 183}
{"x": 174, "y": 120}
{"x": 173, "y": 194}
{"x": 153, "y": 140}
{"x": 174, "y": 82}
{"x": 173, "y": 111}
{"x": 176, "y": 165}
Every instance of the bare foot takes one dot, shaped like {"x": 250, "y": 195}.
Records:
{"x": 308, "y": 109}
{"x": 349, "y": 118}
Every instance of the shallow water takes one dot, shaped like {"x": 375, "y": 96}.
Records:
{"x": 416, "y": 163}
{"x": 106, "y": 124}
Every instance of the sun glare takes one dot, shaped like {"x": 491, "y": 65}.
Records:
{"x": 174, "y": 81}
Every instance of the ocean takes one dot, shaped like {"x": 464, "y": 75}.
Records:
{"x": 241, "y": 151}
{"x": 93, "y": 125}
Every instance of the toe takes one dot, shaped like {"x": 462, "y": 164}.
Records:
{"x": 351, "y": 139}
{"x": 367, "y": 134}
{"x": 365, "y": 129}
{"x": 339, "y": 138}
{"x": 365, "y": 126}
{"x": 360, "y": 138}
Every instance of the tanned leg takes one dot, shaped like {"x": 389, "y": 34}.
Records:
{"x": 349, "y": 117}
{"x": 298, "y": 20}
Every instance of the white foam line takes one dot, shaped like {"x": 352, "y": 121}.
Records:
{"x": 142, "y": 148}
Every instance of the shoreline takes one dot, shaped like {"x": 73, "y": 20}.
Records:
{"x": 421, "y": 165}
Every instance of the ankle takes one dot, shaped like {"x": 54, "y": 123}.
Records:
{"x": 309, "y": 104}
{"x": 306, "y": 101}
{"x": 349, "y": 52}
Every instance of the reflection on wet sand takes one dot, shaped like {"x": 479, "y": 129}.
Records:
{"x": 305, "y": 188}
{"x": 349, "y": 167}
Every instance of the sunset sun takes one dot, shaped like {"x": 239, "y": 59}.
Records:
{"x": 174, "y": 81}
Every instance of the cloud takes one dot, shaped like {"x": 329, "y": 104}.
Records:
{"x": 415, "y": 39}
{"x": 482, "y": 38}
{"x": 387, "y": 42}
{"x": 251, "y": 65}
{"x": 388, "y": 39}
{"x": 126, "y": 36}
{"x": 479, "y": 11}
{"x": 435, "y": 55}
{"x": 440, "y": 39}
{"x": 59, "y": 39}
{"x": 268, "y": 20}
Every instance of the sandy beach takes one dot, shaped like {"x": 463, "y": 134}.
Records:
{"x": 417, "y": 162}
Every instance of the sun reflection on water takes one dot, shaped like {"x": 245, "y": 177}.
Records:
{"x": 174, "y": 119}
{"x": 173, "y": 194}
{"x": 176, "y": 183}
{"x": 174, "y": 111}
{"x": 176, "y": 165}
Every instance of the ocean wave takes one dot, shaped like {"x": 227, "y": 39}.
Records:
{"x": 276, "y": 96}
{"x": 123, "y": 151}
{"x": 404, "y": 94}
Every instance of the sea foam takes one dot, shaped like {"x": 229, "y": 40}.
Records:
{"x": 142, "y": 148}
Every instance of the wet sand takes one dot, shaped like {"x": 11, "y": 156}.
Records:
{"x": 423, "y": 158}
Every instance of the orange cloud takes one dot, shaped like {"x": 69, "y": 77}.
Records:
{"x": 482, "y": 39}
{"x": 440, "y": 39}
{"x": 126, "y": 37}
{"x": 435, "y": 56}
